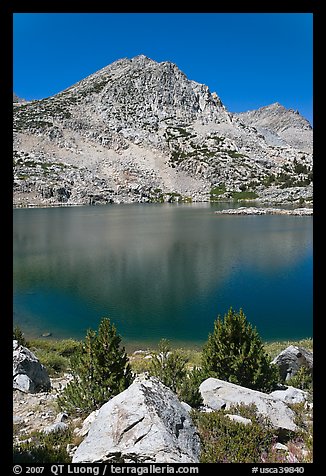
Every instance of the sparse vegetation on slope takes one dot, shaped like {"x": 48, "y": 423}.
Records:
{"x": 139, "y": 122}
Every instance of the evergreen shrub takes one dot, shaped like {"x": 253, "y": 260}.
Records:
{"x": 235, "y": 352}
{"x": 100, "y": 368}
{"x": 169, "y": 366}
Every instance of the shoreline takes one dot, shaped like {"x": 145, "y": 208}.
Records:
{"x": 260, "y": 210}
{"x": 138, "y": 346}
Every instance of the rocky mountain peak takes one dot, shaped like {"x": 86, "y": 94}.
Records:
{"x": 142, "y": 59}
{"x": 280, "y": 125}
{"x": 143, "y": 88}
{"x": 140, "y": 130}
{"x": 275, "y": 105}
{"x": 276, "y": 116}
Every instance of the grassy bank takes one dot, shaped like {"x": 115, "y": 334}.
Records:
{"x": 55, "y": 354}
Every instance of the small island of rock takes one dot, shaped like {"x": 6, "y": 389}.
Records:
{"x": 265, "y": 211}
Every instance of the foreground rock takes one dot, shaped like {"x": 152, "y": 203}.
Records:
{"x": 144, "y": 424}
{"x": 38, "y": 412}
{"x": 291, "y": 359}
{"x": 265, "y": 211}
{"x": 29, "y": 375}
{"x": 219, "y": 394}
{"x": 87, "y": 423}
{"x": 291, "y": 395}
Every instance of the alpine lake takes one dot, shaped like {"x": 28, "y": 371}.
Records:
{"x": 160, "y": 271}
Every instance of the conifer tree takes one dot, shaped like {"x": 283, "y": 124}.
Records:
{"x": 169, "y": 366}
{"x": 234, "y": 352}
{"x": 100, "y": 369}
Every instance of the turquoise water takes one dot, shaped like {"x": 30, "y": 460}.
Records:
{"x": 160, "y": 271}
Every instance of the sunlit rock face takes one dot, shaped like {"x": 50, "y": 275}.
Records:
{"x": 141, "y": 131}
{"x": 144, "y": 424}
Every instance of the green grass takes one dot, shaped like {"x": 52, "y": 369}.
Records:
{"x": 55, "y": 354}
{"x": 275, "y": 347}
{"x": 245, "y": 195}
{"x": 43, "y": 448}
{"x": 218, "y": 190}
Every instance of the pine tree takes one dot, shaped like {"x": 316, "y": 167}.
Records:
{"x": 100, "y": 369}
{"x": 19, "y": 336}
{"x": 169, "y": 366}
{"x": 234, "y": 352}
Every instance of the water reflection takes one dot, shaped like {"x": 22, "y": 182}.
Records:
{"x": 152, "y": 267}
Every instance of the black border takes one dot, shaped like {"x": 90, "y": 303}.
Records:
{"x": 6, "y": 35}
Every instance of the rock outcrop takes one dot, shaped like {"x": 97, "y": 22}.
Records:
{"x": 266, "y": 211}
{"x": 291, "y": 359}
{"x": 146, "y": 423}
{"x": 141, "y": 131}
{"x": 219, "y": 394}
{"x": 29, "y": 375}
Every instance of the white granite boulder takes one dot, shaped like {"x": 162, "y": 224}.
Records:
{"x": 239, "y": 419}
{"x": 86, "y": 424}
{"x": 279, "y": 414}
{"x": 290, "y": 395}
{"x": 291, "y": 359}
{"x": 29, "y": 375}
{"x": 144, "y": 424}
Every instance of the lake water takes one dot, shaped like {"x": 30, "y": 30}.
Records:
{"x": 160, "y": 271}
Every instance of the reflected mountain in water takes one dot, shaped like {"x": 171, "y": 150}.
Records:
{"x": 157, "y": 269}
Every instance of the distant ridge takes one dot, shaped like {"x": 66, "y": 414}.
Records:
{"x": 289, "y": 125}
{"x": 17, "y": 99}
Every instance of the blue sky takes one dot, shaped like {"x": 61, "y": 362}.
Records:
{"x": 249, "y": 59}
